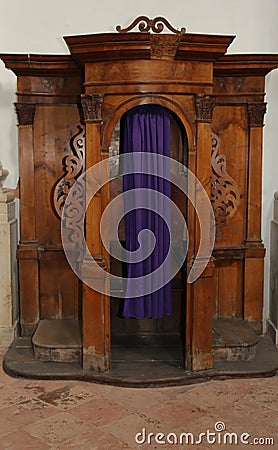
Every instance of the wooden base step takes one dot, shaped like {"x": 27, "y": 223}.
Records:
{"x": 57, "y": 340}
{"x": 233, "y": 340}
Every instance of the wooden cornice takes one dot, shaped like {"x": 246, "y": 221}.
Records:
{"x": 135, "y": 45}
{"x": 245, "y": 65}
{"x": 40, "y": 65}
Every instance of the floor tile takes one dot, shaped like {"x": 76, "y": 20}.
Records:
{"x": 136, "y": 399}
{"x": 7, "y": 426}
{"x": 174, "y": 412}
{"x": 28, "y": 411}
{"x": 13, "y": 394}
{"x": 20, "y": 440}
{"x": 95, "y": 441}
{"x": 68, "y": 396}
{"x": 100, "y": 413}
{"x": 58, "y": 428}
{"x": 126, "y": 428}
{"x": 209, "y": 395}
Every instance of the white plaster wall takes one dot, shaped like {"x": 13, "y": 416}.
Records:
{"x": 37, "y": 26}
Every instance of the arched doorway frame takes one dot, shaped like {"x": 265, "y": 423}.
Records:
{"x": 107, "y": 128}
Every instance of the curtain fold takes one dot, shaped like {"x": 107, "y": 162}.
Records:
{"x": 146, "y": 128}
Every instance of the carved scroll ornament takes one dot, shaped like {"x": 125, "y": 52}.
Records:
{"x": 74, "y": 210}
{"x": 225, "y": 194}
{"x": 73, "y": 216}
{"x": 74, "y": 166}
{"x": 146, "y": 24}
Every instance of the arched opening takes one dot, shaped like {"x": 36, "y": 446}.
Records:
{"x": 152, "y": 341}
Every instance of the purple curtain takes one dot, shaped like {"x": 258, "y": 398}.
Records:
{"x": 146, "y": 128}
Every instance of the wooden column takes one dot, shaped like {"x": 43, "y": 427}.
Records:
{"x": 95, "y": 306}
{"x": 254, "y": 256}
{"x": 28, "y": 253}
{"x": 202, "y": 291}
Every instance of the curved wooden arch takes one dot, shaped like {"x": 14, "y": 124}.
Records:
{"x": 131, "y": 102}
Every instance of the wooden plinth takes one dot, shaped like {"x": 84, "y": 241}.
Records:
{"x": 233, "y": 340}
{"x": 57, "y": 341}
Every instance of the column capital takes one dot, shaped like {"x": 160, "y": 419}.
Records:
{"x": 92, "y": 107}
{"x": 204, "y": 107}
{"x": 256, "y": 112}
{"x": 25, "y": 113}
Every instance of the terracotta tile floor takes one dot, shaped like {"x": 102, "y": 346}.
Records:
{"x": 78, "y": 415}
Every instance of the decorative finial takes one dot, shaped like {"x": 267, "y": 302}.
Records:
{"x": 3, "y": 175}
{"x": 146, "y": 24}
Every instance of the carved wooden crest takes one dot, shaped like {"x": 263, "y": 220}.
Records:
{"x": 145, "y": 24}
{"x": 74, "y": 165}
{"x": 225, "y": 194}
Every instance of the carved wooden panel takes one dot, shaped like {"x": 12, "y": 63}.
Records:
{"x": 229, "y": 157}
{"x": 225, "y": 194}
{"x": 58, "y": 285}
{"x": 229, "y": 174}
{"x": 53, "y": 129}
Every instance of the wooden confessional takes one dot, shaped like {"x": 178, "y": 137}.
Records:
{"x": 69, "y": 109}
